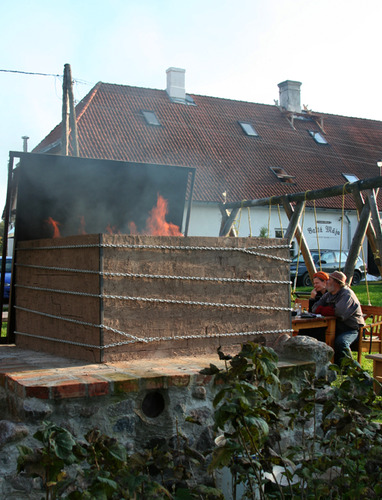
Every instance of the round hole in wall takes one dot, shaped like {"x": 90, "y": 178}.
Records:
{"x": 153, "y": 404}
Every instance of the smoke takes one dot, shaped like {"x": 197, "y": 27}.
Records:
{"x": 89, "y": 196}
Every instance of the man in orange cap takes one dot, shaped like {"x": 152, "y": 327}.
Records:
{"x": 343, "y": 303}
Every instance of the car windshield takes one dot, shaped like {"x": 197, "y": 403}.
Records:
{"x": 301, "y": 258}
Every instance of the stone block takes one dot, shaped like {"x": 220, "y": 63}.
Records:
{"x": 106, "y": 298}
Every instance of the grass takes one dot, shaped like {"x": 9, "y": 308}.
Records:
{"x": 375, "y": 292}
{"x": 367, "y": 364}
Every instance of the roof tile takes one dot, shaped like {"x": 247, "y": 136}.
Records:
{"x": 208, "y": 136}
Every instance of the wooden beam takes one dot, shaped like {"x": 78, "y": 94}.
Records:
{"x": 376, "y": 223}
{"x": 317, "y": 194}
{"x": 294, "y": 218}
{"x": 370, "y": 233}
{"x": 300, "y": 238}
{"x": 357, "y": 242}
{"x": 228, "y": 218}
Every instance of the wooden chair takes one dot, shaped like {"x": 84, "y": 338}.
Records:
{"x": 370, "y": 335}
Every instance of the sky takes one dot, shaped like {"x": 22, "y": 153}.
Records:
{"x": 236, "y": 49}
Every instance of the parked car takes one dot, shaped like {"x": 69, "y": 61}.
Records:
{"x": 330, "y": 261}
{"x": 7, "y": 282}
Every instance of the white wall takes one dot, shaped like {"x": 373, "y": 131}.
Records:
{"x": 327, "y": 232}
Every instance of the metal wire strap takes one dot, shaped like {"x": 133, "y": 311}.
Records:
{"x": 131, "y": 338}
{"x": 175, "y": 247}
{"x": 220, "y": 249}
{"x": 152, "y": 339}
{"x": 84, "y": 323}
{"x": 161, "y": 301}
{"x": 155, "y": 276}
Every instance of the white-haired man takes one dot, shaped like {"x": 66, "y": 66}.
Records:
{"x": 342, "y": 302}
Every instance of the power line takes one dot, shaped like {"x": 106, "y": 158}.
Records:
{"x": 28, "y": 72}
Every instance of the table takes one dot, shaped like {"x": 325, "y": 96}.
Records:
{"x": 377, "y": 369}
{"x": 329, "y": 322}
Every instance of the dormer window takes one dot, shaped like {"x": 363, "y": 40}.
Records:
{"x": 248, "y": 129}
{"x": 151, "y": 118}
{"x": 351, "y": 177}
{"x": 281, "y": 174}
{"x": 320, "y": 139}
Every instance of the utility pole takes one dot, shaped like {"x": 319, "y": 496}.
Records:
{"x": 69, "y": 121}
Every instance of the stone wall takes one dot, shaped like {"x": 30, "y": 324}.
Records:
{"x": 135, "y": 402}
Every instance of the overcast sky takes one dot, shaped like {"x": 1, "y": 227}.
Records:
{"x": 238, "y": 49}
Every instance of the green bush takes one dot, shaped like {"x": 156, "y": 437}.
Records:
{"x": 337, "y": 444}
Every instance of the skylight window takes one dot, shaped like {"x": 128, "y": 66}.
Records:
{"x": 320, "y": 139}
{"x": 281, "y": 174}
{"x": 151, "y": 118}
{"x": 351, "y": 177}
{"x": 248, "y": 129}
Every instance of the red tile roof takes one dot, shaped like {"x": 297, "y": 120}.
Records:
{"x": 208, "y": 136}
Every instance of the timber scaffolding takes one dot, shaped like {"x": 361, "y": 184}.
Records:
{"x": 369, "y": 223}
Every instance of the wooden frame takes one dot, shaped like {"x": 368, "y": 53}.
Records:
{"x": 369, "y": 221}
{"x": 369, "y": 339}
{"x": 377, "y": 370}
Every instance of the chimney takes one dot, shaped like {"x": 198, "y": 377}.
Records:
{"x": 176, "y": 83}
{"x": 25, "y": 143}
{"x": 289, "y": 96}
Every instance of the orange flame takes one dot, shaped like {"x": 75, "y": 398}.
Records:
{"x": 81, "y": 229}
{"x": 156, "y": 224}
{"x": 132, "y": 228}
{"x": 54, "y": 224}
{"x": 112, "y": 229}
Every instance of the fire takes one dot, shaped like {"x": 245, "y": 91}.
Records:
{"x": 156, "y": 224}
{"x": 54, "y": 225}
{"x": 112, "y": 229}
{"x": 82, "y": 225}
{"x": 133, "y": 228}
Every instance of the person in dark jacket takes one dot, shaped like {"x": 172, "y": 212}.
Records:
{"x": 342, "y": 302}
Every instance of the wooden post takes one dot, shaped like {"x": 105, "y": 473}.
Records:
{"x": 7, "y": 213}
{"x": 65, "y": 114}
{"x": 357, "y": 241}
{"x": 294, "y": 218}
{"x": 295, "y": 230}
{"x": 228, "y": 218}
{"x": 370, "y": 233}
{"x": 68, "y": 114}
{"x": 376, "y": 223}
{"x": 72, "y": 116}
